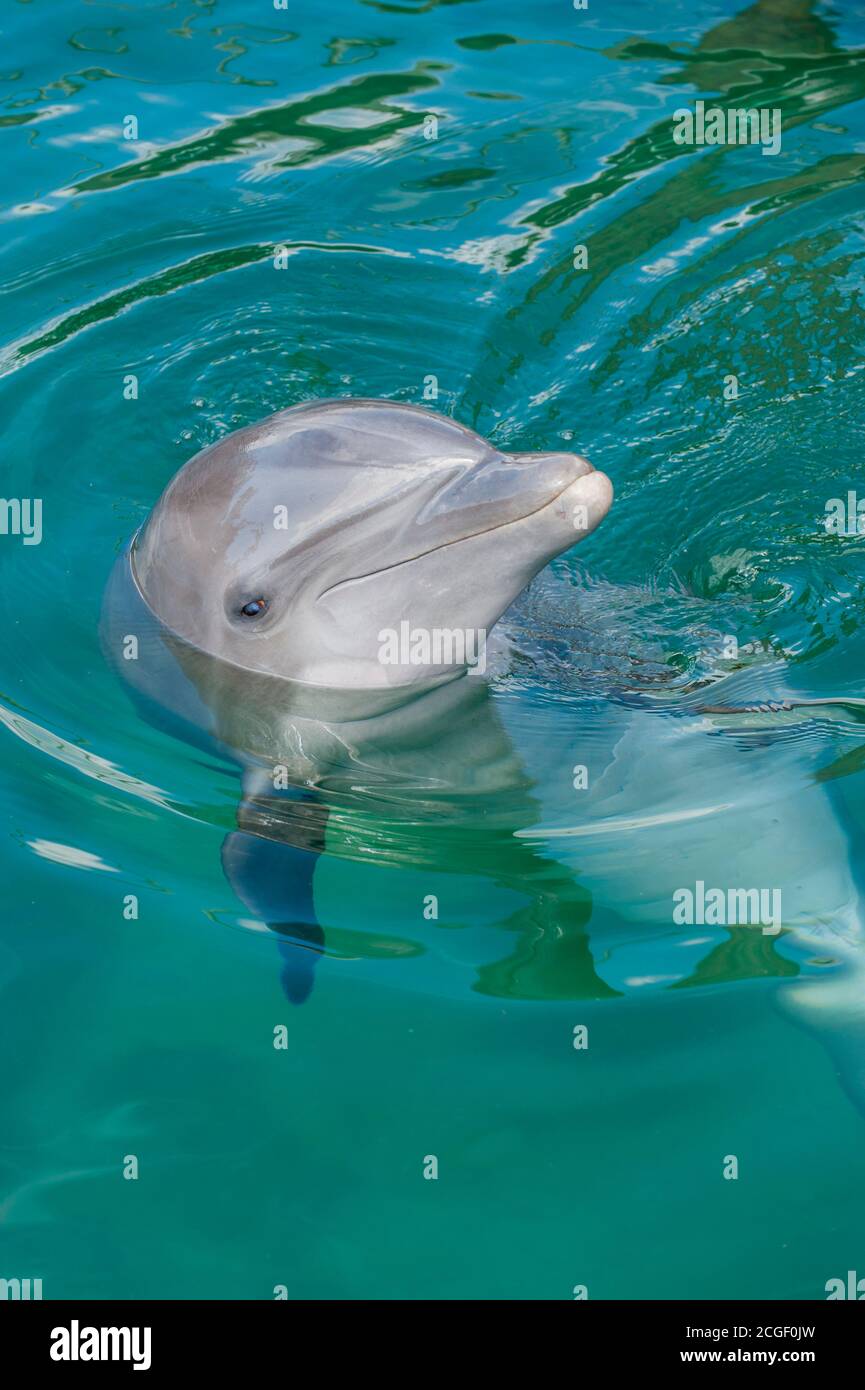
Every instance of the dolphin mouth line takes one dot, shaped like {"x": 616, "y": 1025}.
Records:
{"x": 446, "y": 545}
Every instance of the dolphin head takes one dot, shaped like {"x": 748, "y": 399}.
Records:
{"x": 357, "y": 544}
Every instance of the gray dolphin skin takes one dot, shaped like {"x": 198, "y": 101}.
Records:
{"x": 344, "y": 519}
{"x": 286, "y": 594}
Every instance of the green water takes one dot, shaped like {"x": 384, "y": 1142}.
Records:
{"x": 453, "y": 257}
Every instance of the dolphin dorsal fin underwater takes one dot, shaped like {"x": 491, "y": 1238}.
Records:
{"x": 307, "y": 584}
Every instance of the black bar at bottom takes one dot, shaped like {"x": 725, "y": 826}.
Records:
{"x": 153, "y": 1338}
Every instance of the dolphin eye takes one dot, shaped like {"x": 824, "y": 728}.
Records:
{"x": 254, "y": 608}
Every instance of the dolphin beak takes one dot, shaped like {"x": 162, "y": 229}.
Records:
{"x": 569, "y": 466}
{"x": 501, "y": 489}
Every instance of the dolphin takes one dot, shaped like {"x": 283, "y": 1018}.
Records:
{"x": 252, "y": 614}
{"x": 311, "y": 597}
{"x": 289, "y": 546}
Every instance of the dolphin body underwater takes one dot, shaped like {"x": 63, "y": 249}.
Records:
{"x": 262, "y": 592}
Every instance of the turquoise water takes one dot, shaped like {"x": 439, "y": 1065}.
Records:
{"x": 408, "y": 257}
